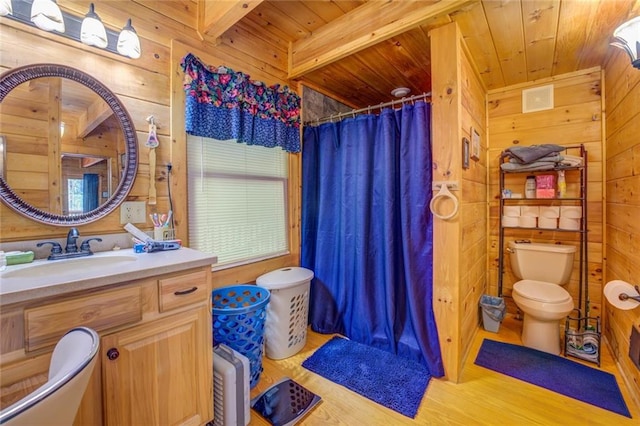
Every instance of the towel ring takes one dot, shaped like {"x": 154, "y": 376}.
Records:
{"x": 444, "y": 192}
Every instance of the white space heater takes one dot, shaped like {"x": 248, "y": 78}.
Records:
{"x": 231, "y": 373}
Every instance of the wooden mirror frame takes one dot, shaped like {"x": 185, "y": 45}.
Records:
{"x": 16, "y": 76}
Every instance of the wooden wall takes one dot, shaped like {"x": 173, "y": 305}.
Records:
{"x": 622, "y": 153}
{"x": 150, "y": 85}
{"x": 142, "y": 86}
{"x": 575, "y": 119}
{"x": 473, "y": 207}
{"x": 460, "y": 248}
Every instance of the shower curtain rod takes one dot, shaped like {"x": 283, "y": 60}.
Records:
{"x": 352, "y": 113}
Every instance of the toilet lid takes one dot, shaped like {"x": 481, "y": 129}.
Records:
{"x": 541, "y": 291}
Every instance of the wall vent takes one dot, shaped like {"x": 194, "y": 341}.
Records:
{"x": 537, "y": 99}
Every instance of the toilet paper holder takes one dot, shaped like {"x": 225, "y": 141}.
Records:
{"x": 625, "y": 296}
{"x": 621, "y": 294}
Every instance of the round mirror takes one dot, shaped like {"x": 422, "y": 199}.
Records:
{"x": 68, "y": 147}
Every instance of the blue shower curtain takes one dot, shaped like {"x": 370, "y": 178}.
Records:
{"x": 367, "y": 231}
{"x": 90, "y": 186}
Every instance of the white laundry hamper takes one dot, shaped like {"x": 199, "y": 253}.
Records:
{"x": 285, "y": 330}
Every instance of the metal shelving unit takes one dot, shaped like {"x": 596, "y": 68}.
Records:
{"x": 582, "y": 322}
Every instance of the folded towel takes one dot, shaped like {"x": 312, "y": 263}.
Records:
{"x": 571, "y": 161}
{"x": 529, "y": 154}
{"x": 536, "y": 165}
{"x": 552, "y": 158}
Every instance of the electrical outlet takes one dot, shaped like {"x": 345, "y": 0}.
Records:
{"x": 133, "y": 212}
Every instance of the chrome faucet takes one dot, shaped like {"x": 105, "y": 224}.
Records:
{"x": 71, "y": 249}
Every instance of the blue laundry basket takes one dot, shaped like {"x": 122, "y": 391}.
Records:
{"x": 239, "y": 314}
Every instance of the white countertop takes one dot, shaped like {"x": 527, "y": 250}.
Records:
{"x": 126, "y": 266}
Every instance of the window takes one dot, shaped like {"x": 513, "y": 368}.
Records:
{"x": 75, "y": 196}
{"x": 237, "y": 200}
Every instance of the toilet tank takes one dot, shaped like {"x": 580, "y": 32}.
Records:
{"x": 550, "y": 263}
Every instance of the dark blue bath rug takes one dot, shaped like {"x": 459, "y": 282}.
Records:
{"x": 553, "y": 372}
{"x": 394, "y": 382}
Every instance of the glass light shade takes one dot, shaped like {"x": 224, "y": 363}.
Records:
{"x": 5, "y": 8}
{"x": 47, "y": 15}
{"x": 92, "y": 32}
{"x": 627, "y": 38}
{"x": 128, "y": 42}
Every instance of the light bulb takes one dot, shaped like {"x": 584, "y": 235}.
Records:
{"x": 6, "y": 8}
{"x": 47, "y": 16}
{"x": 128, "y": 42}
{"x": 92, "y": 32}
{"x": 627, "y": 38}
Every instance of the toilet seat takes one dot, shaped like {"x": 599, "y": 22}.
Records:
{"x": 541, "y": 291}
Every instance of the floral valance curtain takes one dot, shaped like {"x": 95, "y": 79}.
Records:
{"x": 224, "y": 104}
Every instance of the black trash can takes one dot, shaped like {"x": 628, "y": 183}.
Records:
{"x": 493, "y": 311}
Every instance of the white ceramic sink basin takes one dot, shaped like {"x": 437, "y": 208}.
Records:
{"x": 67, "y": 266}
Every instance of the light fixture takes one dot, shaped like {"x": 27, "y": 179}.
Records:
{"x": 92, "y": 32}
{"x": 627, "y": 38}
{"x": 400, "y": 92}
{"x": 128, "y": 42}
{"x": 61, "y": 128}
{"x": 47, "y": 15}
{"x": 5, "y": 7}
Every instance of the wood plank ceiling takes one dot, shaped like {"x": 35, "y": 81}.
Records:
{"x": 357, "y": 51}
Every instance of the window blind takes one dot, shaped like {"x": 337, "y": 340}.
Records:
{"x": 237, "y": 199}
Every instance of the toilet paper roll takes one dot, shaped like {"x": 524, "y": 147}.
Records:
{"x": 530, "y": 211}
{"x": 510, "y": 221}
{"x": 572, "y": 212}
{"x": 552, "y": 212}
{"x": 527, "y": 222}
{"x": 615, "y": 288}
{"x": 569, "y": 224}
{"x": 547, "y": 223}
{"x": 511, "y": 211}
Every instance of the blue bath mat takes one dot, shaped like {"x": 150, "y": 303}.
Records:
{"x": 396, "y": 383}
{"x": 553, "y": 372}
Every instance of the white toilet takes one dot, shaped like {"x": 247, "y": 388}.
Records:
{"x": 542, "y": 269}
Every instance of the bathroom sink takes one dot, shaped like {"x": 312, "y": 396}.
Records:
{"x": 70, "y": 266}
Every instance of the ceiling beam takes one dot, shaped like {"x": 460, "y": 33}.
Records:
{"x": 216, "y": 17}
{"x": 371, "y": 23}
{"x": 94, "y": 116}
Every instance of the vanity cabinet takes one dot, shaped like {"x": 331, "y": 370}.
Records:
{"x": 153, "y": 373}
{"x": 155, "y": 359}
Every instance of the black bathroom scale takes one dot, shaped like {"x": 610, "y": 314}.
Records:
{"x": 285, "y": 403}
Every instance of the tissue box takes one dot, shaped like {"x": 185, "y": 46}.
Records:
{"x": 546, "y": 182}
{"x": 545, "y": 193}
